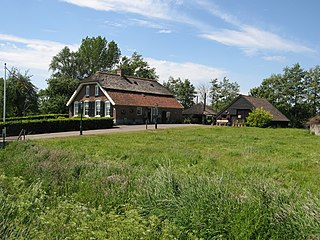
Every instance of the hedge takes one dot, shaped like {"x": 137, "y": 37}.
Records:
{"x": 37, "y": 117}
{"x": 56, "y": 125}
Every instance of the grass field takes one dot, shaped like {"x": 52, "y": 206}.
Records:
{"x": 187, "y": 183}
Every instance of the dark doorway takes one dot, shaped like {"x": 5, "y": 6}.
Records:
{"x": 164, "y": 117}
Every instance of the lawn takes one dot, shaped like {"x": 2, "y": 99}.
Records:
{"x": 187, "y": 183}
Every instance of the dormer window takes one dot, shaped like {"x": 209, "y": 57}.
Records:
{"x": 87, "y": 90}
{"x": 96, "y": 90}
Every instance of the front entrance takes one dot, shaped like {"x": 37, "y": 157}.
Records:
{"x": 164, "y": 117}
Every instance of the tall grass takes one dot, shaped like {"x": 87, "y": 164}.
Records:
{"x": 199, "y": 183}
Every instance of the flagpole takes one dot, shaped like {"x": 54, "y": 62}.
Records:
{"x": 4, "y": 92}
{"x": 4, "y": 106}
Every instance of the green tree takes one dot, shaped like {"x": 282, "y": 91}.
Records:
{"x": 64, "y": 64}
{"x": 136, "y": 66}
{"x": 313, "y": 90}
{"x": 222, "y": 93}
{"x": 183, "y": 90}
{"x": 21, "y": 94}
{"x": 96, "y": 54}
{"x": 53, "y": 99}
{"x": 259, "y": 118}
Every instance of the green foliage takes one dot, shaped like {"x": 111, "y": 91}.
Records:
{"x": 222, "y": 93}
{"x": 137, "y": 67}
{"x": 183, "y": 90}
{"x": 96, "y": 54}
{"x": 188, "y": 183}
{"x": 21, "y": 94}
{"x": 38, "y": 117}
{"x": 259, "y": 118}
{"x": 295, "y": 93}
{"x": 53, "y": 99}
{"x": 55, "y": 125}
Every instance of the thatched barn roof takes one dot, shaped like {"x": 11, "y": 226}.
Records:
{"x": 314, "y": 120}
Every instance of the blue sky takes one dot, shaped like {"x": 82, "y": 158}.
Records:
{"x": 245, "y": 40}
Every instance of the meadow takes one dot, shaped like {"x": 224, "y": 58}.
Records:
{"x": 187, "y": 183}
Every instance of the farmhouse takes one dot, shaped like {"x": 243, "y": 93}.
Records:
{"x": 314, "y": 124}
{"x": 129, "y": 100}
{"x": 238, "y": 110}
{"x": 197, "y": 112}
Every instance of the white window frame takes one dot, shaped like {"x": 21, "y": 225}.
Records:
{"x": 97, "y": 108}
{"x": 139, "y": 111}
{"x": 75, "y": 108}
{"x": 107, "y": 108}
{"x": 96, "y": 90}
{"x": 168, "y": 115}
{"x": 86, "y": 108}
{"x": 154, "y": 113}
{"x": 87, "y": 90}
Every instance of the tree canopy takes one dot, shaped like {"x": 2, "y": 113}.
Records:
{"x": 183, "y": 90}
{"x": 136, "y": 66}
{"x": 223, "y": 92}
{"x": 21, "y": 94}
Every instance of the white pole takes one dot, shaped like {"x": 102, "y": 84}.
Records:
{"x": 4, "y": 106}
{"x": 4, "y": 92}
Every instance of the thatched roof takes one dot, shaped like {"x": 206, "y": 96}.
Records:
{"x": 197, "y": 109}
{"x": 254, "y": 102}
{"x": 314, "y": 120}
{"x": 126, "y": 83}
{"x": 266, "y": 105}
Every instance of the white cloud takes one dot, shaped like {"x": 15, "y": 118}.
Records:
{"x": 165, "y": 31}
{"x": 275, "y": 58}
{"x": 33, "y": 54}
{"x": 249, "y": 38}
{"x": 149, "y": 8}
{"x": 252, "y": 39}
{"x": 196, "y": 73}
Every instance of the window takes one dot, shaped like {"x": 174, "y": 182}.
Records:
{"x": 97, "y": 108}
{"x": 154, "y": 114}
{"x": 75, "y": 108}
{"x": 87, "y": 90}
{"x": 139, "y": 110}
{"x": 96, "y": 90}
{"x": 86, "y": 108}
{"x": 168, "y": 116}
{"x": 108, "y": 108}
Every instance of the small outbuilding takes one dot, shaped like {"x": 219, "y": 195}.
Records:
{"x": 238, "y": 111}
{"x": 314, "y": 124}
{"x": 197, "y": 112}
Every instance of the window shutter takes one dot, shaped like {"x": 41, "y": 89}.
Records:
{"x": 91, "y": 109}
{"x": 102, "y": 109}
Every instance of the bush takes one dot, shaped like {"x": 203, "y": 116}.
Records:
{"x": 37, "y": 117}
{"x": 259, "y": 118}
{"x": 55, "y": 125}
{"x": 187, "y": 120}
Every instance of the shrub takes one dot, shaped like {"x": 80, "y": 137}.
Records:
{"x": 55, "y": 125}
{"x": 187, "y": 120}
{"x": 37, "y": 117}
{"x": 259, "y": 118}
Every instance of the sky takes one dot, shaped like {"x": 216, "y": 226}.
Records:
{"x": 245, "y": 41}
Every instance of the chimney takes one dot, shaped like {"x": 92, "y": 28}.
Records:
{"x": 119, "y": 72}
